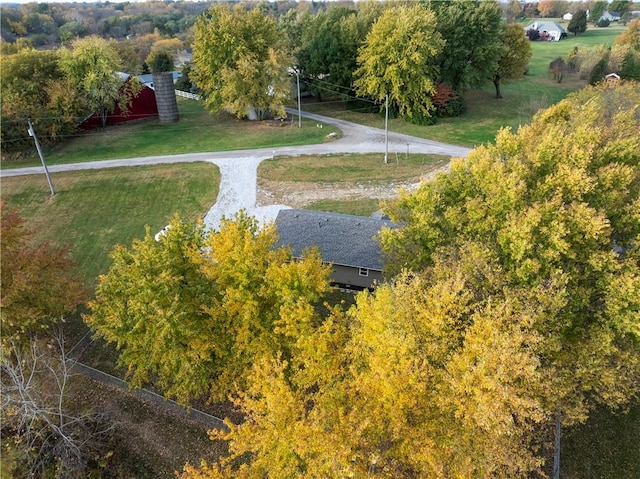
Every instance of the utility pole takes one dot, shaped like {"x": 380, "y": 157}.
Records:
{"x": 386, "y": 128}
{"x": 32, "y": 133}
{"x": 299, "y": 111}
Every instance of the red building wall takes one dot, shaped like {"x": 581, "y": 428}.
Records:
{"x": 142, "y": 106}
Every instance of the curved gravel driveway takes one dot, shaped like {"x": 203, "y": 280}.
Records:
{"x": 238, "y": 168}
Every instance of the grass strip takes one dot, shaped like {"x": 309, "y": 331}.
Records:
{"x": 348, "y": 168}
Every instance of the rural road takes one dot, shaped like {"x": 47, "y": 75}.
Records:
{"x": 238, "y": 168}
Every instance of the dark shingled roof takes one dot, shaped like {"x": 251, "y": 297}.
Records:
{"x": 342, "y": 239}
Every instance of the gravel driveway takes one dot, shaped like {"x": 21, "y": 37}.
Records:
{"x": 238, "y": 185}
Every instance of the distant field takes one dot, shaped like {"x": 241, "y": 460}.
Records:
{"x": 196, "y": 131}
{"x": 485, "y": 114}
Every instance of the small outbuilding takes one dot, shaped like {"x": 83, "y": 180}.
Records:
{"x": 347, "y": 242}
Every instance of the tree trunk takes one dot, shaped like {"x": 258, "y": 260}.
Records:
{"x": 556, "y": 447}
{"x": 496, "y": 83}
{"x": 102, "y": 113}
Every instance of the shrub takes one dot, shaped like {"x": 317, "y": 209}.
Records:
{"x": 557, "y": 68}
{"x": 447, "y": 102}
{"x": 420, "y": 118}
{"x": 603, "y": 22}
{"x": 533, "y": 35}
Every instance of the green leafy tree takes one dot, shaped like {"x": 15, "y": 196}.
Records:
{"x": 91, "y": 65}
{"x": 71, "y": 30}
{"x": 329, "y": 48}
{"x": 630, "y": 69}
{"x": 578, "y": 23}
{"x": 514, "y": 58}
{"x": 192, "y": 311}
{"x": 160, "y": 61}
{"x": 597, "y": 10}
{"x": 127, "y": 52}
{"x": 38, "y": 282}
{"x": 621, "y": 6}
{"x": 184, "y": 82}
{"x": 29, "y": 82}
{"x": 472, "y": 33}
{"x": 240, "y": 61}
{"x": 397, "y": 60}
{"x": 328, "y": 53}
{"x": 599, "y": 70}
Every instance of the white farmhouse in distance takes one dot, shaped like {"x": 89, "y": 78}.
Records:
{"x": 549, "y": 31}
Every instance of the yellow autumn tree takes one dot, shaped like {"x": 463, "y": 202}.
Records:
{"x": 192, "y": 311}
{"x": 516, "y": 298}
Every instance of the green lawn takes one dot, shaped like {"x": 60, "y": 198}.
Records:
{"x": 359, "y": 207}
{"x": 196, "y": 131}
{"x": 606, "y": 446}
{"x": 95, "y": 210}
{"x": 355, "y": 167}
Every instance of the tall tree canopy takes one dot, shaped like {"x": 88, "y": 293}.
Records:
{"x": 522, "y": 299}
{"x": 91, "y": 65}
{"x": 553, "y": 206}
{"x": 596, "y": 10}
{"x": 471, "y": 30}
{"x": 240, "y": 61}
{"x": 631, "y": 36}
{"x": 578, "y": 23}
{"x": 514, "y": 56}
{"x": 192, "y": 311}
{"x": 397, "y": 60}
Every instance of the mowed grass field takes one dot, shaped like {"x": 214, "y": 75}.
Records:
{"x": 94, "y": 210}
{"x": 485, "y": 113}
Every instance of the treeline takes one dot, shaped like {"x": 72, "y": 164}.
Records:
{"x": 50, "y": 24}
{"x": 369, "y": 53}
{"x": 415, "y": 58}
{"x": 557, "y": 8}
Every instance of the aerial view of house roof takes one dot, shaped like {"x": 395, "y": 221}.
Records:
{"x": 342, "y": 239}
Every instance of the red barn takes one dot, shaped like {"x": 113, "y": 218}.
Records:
{"x": 142, "y": 106}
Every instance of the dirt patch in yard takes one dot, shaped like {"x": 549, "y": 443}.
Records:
{"x": 147, "y": 440}
{"x": 298, "y": 194}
